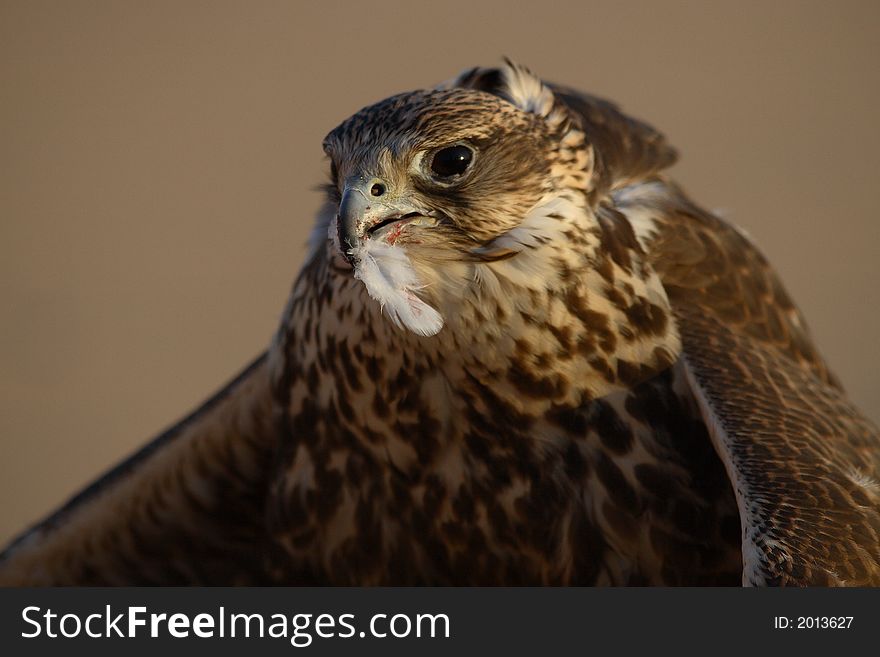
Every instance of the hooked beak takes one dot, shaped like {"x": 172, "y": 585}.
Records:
{"x": 365, "y": 215}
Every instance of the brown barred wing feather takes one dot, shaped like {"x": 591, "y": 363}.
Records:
{"x": 803, "y": 461}
{"x": 187, "y": 509}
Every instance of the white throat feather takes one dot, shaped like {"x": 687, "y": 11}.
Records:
{"x": 390, "y": 279}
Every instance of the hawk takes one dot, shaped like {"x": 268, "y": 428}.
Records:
{"x": 517, "y": 353}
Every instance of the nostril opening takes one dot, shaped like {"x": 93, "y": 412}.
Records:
{"x": 377, "y": 189}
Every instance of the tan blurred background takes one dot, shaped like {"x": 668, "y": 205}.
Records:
{"x": 158, "y": 161}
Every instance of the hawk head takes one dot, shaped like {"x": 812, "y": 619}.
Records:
{"x": 429, "y": 186}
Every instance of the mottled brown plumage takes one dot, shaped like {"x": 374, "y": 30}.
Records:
{"x": 516, "y": 354}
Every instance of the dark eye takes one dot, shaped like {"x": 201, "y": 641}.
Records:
{"x": 451, "y": 161}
